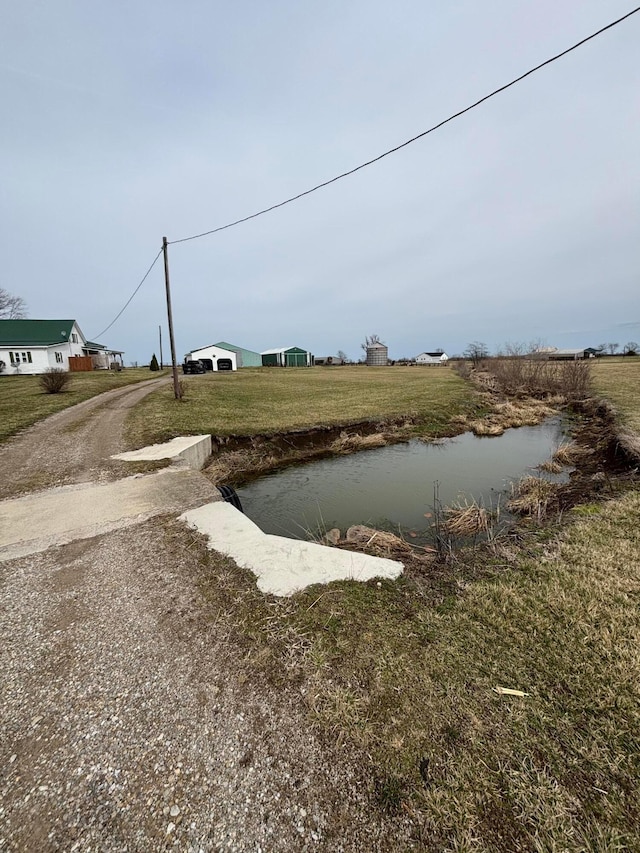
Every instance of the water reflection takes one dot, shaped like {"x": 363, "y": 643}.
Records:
{"x": 393, "y": 487}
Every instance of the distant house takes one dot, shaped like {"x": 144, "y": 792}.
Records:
{"x": 568, "y": 355}
{"x": 34, "y": 346}
{"x": 432, "y": 358}
{"x": 328, "y": 360}
{"x": 244, "y": 357}
{"x": 287, "y": 357}
{"x": 214, "y": 357}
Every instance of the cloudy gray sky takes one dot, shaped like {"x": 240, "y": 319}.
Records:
{"x": 127, "y": 121}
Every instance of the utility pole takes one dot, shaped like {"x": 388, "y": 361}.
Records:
{"x": 174, "y": 366}
{"x": 160, "y": 333}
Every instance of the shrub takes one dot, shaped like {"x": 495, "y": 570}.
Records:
{"x": 536, "y": 377}
{"x": 153, "y": 364}
{"x": 54, "y": 380}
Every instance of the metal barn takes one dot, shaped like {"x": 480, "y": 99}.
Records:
{"x": 287, "y": 357}
{"x": 244, "y": 357}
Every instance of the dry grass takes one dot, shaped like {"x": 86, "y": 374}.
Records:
{"x": 619, "y": 382}
{"x": 531, "y": 496}
{"x": 405, "y": 673}
{"x": 466, "y": 518}
{"x": 509, "y": 414}
{"x": 23, "y": 402}
{"x": 347, "y": 443}
{"x": 262, "y": 401}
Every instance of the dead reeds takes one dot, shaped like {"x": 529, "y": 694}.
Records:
{"x": 532, "y": 496}
{"x": 466, "y": 519}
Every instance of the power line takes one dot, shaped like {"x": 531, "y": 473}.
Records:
{"x": 121, "y": 312}
{"x": 413, "y": 139}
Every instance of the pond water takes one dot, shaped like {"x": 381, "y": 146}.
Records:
{"x": 392, "y": 487}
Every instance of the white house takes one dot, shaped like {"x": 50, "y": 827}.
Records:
{"x": 432, "y": 358}
{"x": 33, "y": 346}
{"x": 211, "y": 355}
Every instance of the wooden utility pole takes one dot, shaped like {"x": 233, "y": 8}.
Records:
{"x": 160, "y": 333}
{"x": 174, "y": 366}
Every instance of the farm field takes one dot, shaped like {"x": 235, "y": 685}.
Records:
{"x": 23, "y": 402}
{"x": 619, "y": 382}
{"x": 269, "y": 401}
{"x": 408, "y": 674}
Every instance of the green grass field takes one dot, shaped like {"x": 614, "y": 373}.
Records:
{"x": 405, "y": 673}
{"x": 272, "y": 401}
{"x": 619, "y": 381}
{"x": 23, "y": 402}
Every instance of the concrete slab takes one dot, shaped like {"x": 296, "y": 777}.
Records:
{"x": 192, "y": 449}
{"x": 40, "y": 520}
{"x": 282, "y": 566}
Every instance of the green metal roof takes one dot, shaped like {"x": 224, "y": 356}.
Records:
{"x": 34, "y": 333}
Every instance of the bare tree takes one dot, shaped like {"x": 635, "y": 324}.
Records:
{"x": 631, "y": 348}
{"x": 612, "y": 348}
{"x": 371, "y": 340}
{"x": 11, "y": 307}
{"x": 476, "y": 351}
{"x": 343, "y": 356}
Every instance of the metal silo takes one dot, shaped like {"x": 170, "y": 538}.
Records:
{"x": 377, "y": 355}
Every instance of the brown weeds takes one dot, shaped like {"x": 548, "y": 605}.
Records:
{"x": 532, "y": 496}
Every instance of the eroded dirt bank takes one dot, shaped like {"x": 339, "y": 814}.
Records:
{"x": 595, "y": 429}
{"x": 239, "y": 459}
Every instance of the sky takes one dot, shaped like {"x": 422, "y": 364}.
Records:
{"x": 124, "y": 122}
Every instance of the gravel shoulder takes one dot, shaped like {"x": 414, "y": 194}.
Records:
{"x": 128, "y": 721}
{"x": 128, "y": 726}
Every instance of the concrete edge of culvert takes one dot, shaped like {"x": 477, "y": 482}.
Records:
{"x": 194, "y": 450}
{"x": 282, "y": 566}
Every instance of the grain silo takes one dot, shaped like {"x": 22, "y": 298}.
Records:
{"x": 377, "y": 355}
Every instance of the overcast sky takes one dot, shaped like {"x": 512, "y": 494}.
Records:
{"x": 127, "y": 121}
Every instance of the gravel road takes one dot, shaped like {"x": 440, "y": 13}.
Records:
{"x": 126, "y": 722}
{"x": 72, "y": 446}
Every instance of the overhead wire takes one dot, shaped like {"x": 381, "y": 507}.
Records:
{"x": 374, "y": 159}
{"x": 413, "y": 139}
{"x": 126, "y": 305}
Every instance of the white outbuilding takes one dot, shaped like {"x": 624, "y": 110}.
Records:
{"x": 432, "y": 358}
{"x": 214, "y": 358}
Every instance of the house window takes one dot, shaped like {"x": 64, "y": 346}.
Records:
{"x": 58, "y": 358}
{"x": 17, "y": 357}
{"x": 74, "y": 338}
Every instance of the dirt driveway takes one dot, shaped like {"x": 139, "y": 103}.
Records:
{"x": 126, "y": 723}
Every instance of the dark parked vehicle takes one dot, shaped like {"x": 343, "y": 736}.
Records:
{"x": 225, "y": 364}
{"x": 193, "y": 367}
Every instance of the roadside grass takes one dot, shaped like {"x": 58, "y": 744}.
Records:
{"x": 404, "y": 672}
{"x": 619, "y": 382}
{"x": 23, "y": 402}
{"x": 261, "y": 401}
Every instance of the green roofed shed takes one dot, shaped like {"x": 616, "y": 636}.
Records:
{"x": 287, "y": 357}
{"x": 244, "y": 357}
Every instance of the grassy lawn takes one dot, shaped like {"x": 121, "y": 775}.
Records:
{"x": 405, "y": 672}
{"x": 269, "y": 401}
{"x": 619, "y": 381}
{"x": 23, "y": 402}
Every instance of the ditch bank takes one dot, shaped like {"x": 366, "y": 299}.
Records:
{"x": 604, "y": 458}
{"x": 239, "y": 459}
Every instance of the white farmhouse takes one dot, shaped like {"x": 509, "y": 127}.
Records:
{"x": 432, "y": 358}
{"x": 214, "y": 358}
{"x": 33, "y": 346}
